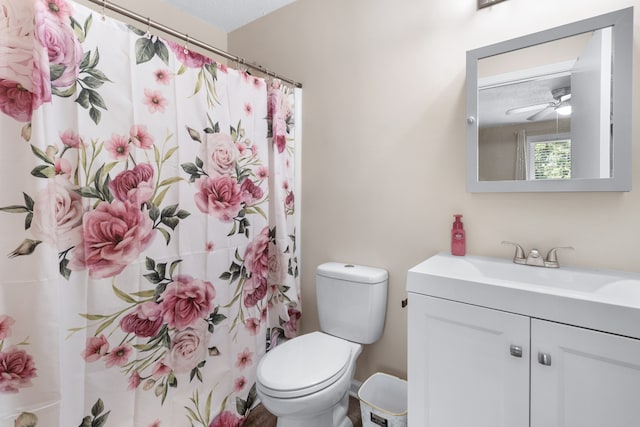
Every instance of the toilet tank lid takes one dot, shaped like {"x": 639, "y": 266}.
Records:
{"x": 352, "y": 272}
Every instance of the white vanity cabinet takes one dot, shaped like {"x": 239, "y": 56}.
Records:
{"x": 460, "y": 371}
{"x": 593, "y": 379}
{"x": 474, "y": 366}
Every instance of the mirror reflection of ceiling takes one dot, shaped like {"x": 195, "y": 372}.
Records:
{"x": 228, "y": 15}
{"x": 497, "y": 100}
{"x": 514, "y": 80}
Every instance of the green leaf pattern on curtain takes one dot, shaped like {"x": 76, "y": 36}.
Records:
{"x": 148, "y": 214}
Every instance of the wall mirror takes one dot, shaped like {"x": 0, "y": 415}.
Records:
{"x": 551, "y": 111}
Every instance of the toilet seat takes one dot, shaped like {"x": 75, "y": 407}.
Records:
{"x": 304, "y": 365}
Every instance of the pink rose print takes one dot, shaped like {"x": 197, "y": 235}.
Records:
{"x": 188, "y": 348}
{"x": 24, "y": 71}
{"x": 16, "y": 370}
{"x": 15, "y": 100}
{"x": 114, "y": 236}
{"x": 289, "y": 202}
{"x": 291, "y": 326}
{"x": 162, "y": 76}
{"x": 156, "y": 423}
{"x": 248, "y": 108}
{"x": 190, "y": 59}
{"x": 71, "y": 139}
{"x": 63, "y": 167}
{"x": 251, "y": 193}
{"x": 256, "y": 256}
{"x": 64, "y": 228}
{"x": 239, "y": 384}
{"x": 144, "y": 322}
{"x": 219, "y": 197}
{"x": 5, "y": 326}
{"x": 141, "y": 137}
{"x": 244, "y": 359}
{"x": 60, "y": 42}
{"x": 262, "y": 172}
{"x": 219, "y": 154}
{"x": 222, "y": 68}
{"x": 254, "y": 290}
{"x": 119, "y": 356}
{"x": 154, "y": 100}
{"x": 210, "y": 246}
{"x": 160, "y": 369}
{"x": 118, "y": 146}
{"x": 226, "y": 419}
{"x": 256, "y": 259}
{"x": 96, "y": 348}
{"x": 134, "y": 381}
{"x": 186, "y": 301}
{"x": 278, "y": 111}
{"x": 135, "y": 186}
{"x": 279, "y": 137}
{"x": 252, "y": 325}
{"x": 60, "y": 9}
{"x": 277, "y": 269}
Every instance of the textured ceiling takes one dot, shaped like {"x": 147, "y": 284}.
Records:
{"x": 229, "y": 15}
{"x": 494, "y": 103}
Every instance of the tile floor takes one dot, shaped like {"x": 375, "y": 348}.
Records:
{"x": 260, "y": 417}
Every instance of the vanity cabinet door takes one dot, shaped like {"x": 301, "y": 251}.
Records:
{"x": 591, "y": 379}
{"x": 467, "y": 365}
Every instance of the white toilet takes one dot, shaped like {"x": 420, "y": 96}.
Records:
{"x": 305, "y": 382}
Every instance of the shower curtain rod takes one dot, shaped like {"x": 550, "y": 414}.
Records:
{"x": 158, "y": 26}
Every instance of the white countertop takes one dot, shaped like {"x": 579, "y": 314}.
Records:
{"x": 603, "y": 300}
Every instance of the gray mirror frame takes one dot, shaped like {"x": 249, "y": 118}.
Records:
{"x": 622, "y": 23}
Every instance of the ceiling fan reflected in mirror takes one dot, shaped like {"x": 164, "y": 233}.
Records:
{"x": 560, "y": 104}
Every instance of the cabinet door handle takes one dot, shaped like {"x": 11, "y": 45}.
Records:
{"x": 544, "y": 359}
{"x": 515, "y": 350}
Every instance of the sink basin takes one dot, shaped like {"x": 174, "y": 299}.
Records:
{"x": 627, "y": 289}
{"x": 504, "y": 271}
{"x": 597, "y": 299}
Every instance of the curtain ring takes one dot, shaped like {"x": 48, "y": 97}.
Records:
{"x": 148, "y": 33}
{"x": 186, "y": 45}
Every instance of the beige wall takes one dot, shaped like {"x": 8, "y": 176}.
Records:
{"x": 166, "y": 14}
{"x": 384, "y": 143}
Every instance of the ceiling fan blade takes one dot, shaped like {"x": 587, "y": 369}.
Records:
{"x": 527, "y": 108}
{"x": 540, "y": 114}
{"x": 564, "y": 98}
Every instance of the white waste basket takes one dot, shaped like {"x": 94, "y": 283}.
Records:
{"x": 383, "y": 401}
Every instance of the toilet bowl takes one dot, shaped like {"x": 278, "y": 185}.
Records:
{"x": 305, "y": 381}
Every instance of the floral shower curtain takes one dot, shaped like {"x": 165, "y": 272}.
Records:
{"x": 147, "y": 213}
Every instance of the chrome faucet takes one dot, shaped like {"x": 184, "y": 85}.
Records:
{"x": 535, "y": 258}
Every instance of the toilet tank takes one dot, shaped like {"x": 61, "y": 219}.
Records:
{"x": 352, "y": 301}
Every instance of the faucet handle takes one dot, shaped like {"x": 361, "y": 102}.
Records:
{"x": 552, "y": 257}
{"x": 518, "y": 258}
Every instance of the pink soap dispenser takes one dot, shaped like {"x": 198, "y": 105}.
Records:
{"x": 458, "y": 239}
